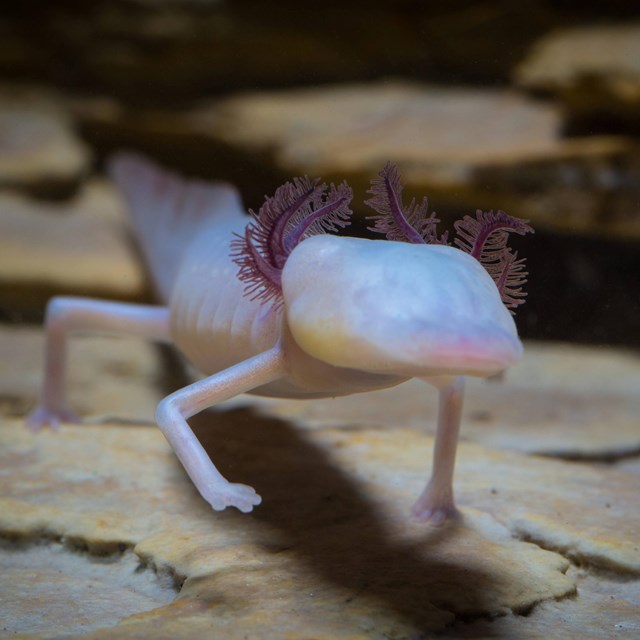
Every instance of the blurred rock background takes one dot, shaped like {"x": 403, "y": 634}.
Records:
{"x": 530, "y": 107}
{"x": 534, "y": 109}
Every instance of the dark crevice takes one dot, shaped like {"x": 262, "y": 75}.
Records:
{"x": 165, "y": 573}
{"x": 600, "y": 565}
{"x": 106, "y": 552}
{"x": 607, "y": 457}
{"x": 457, "y": 628}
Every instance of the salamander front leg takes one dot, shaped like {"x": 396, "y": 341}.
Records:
{"x": 436, "y": 504}
{"x": 66, "y": 315}
{"x": 175, "y": 409}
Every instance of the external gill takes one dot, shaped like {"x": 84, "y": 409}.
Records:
{"x": 485, "y": 237}
{"x": 297, "y": 210}
{"x": 402, "y": 223}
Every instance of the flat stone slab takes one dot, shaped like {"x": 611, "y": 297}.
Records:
{"x": 595, "y": 70}
{"x": 336, "y": 557}
{"x": 332, "y": 549}
{"x": 39, "y": 151}
{"x": 106, "y": 509}
{"x": 78, "y": 247}
{"x": 346, "y": 128}
{"x": 604, "y": 608}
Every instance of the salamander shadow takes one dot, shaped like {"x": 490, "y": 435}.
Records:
{"x": 322, "y": 515}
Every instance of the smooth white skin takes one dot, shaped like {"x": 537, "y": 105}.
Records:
{"x": 358, "y": 315}
{"x": 398, "y": 308}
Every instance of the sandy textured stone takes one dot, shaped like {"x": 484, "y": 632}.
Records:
{"x": 632, "y": 464}
{"x": 595, "y": 69}
{"x": 604, "y": 608}
{"x": 330, "y": 553}
{"x": 38, "y": 149}
{"x": 79, "y": 247}
{"x": 590, "y": 514}
{"x": 553, "y": 403}
{"x": 560, "y": 400}
{"x": 52, "y": 590}
{"x": 114, "y": 378}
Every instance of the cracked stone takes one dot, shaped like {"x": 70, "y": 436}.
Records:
{"x": 370, "y": 571}
{"x": 589, "y": 514}
{"x": 48, "y": 589}
{"x": 332, "y": 550}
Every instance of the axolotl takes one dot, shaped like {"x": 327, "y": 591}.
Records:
{"x": 280, "y": 305}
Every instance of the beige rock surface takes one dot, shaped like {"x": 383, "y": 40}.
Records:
{"x": 604, "y": 608}
{"x": 47, "y": 588}
{"x": 553, "y": 403}
{"x": 41, "y": 245}
{"x": 331, "y": 555}
{"x": 331, "y": 551}
{"x": 38, "y": 149}
{"x": 594, "y": 69}
{"x": 589, "y": 514}
{"x": 347, "y": 128}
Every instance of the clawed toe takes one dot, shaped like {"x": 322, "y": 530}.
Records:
{"x": 240, "y": 496}
{"x": 435, "y": 516}
{"x": 41, "y": 418}
{"x": 435, "y": 506}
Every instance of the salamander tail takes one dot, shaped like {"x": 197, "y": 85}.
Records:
{"x": 167, "y": 211}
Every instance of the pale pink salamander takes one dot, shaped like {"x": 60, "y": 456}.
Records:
{"x": 277, "y": 306}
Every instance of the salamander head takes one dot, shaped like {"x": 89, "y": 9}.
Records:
{"x": 394, "y": 307}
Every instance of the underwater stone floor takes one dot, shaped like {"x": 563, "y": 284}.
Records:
{"x": 103, "y": 535}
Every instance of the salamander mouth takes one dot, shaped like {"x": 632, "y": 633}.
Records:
{"x": 483, "y": 354}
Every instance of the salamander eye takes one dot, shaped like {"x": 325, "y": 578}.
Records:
{"x": 297, "y": 210}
